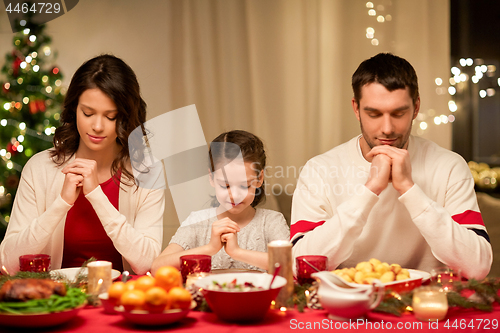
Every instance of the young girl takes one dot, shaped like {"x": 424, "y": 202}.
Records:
{"x": 79, "y": 200}
{"x": 234, "y": 233}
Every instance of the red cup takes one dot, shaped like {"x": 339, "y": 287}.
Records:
{"x": 34, "y": 263}
{"x": 305, "y": 270}
{"x": 195, "y": 263}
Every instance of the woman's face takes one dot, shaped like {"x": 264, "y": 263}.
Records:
{"x": 235, "y": 185}
{"x": 96, "y": 121}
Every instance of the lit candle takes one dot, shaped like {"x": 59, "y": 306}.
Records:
{"x": 191, "y": 278}
{"x": 98, "y": 270}
{"x": 429, "y": 303}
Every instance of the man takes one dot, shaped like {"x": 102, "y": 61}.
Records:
{"x": 386, "y": 194}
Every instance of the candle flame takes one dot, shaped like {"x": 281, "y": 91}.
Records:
{"x": 273, "y": 303}
{"x": 5, "y": 270}
{"x": 409, "y": 308}
{"x": 283, "y": 309}
{"x": 149, "y": 274}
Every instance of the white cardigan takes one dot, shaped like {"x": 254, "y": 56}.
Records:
{"x": 39, "y": 213}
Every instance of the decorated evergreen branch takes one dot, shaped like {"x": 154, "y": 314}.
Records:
{"x": 31, "y": 97}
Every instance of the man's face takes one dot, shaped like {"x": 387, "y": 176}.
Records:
{"x": 385, "y": 117}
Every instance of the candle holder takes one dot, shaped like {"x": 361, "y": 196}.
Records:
{"x": 445, "y": 277}
{"x": 34, "y": 263}
{"x": 280, "y": 251}
{"x": 429, "y": 303}
{"x": 306, "y": 265}
{"x": 99, "y": 277}
{"x": 194, "y": 263}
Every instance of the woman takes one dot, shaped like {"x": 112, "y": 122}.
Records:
{"x": 79, "y": 199}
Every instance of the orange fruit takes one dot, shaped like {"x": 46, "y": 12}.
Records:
{"x": 168, "y": 277}
{"x": 157, "y": 300}
{"x": 144, "y": 283}
{"x": 133, "y": 300}
{"x": 116, "y": 290}
{"x": 180, "y": 298}
{"x": 130, "y": 284}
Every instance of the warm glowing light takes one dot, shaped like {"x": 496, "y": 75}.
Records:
{"x": 20, "y": 80}
{"x": 463, "y": 77}
{"x": 23, "y": 65}
{"x": 32, "y": 38}
{"x": 498, "y": 81}
{"x": 28, "y": 59}
{"x": 34, "y": 54}
{"x": 380, "y": 19}
{"x": 370, "y": 30}
{"x": 423, "y": 125}
{"x": 444, "y": 119}
{"x": 55, "y": 70}
{"x": 369, "y": 35}
{"x": 6, "y": 106}
{"x": 463, "y": 62}
{"x": 26, "y": 31}
{"x": 457, "y": 78}
{"x": 475, "y": 79}
{"x": 3, "y": 152}
{"x": 388, "y": 17}
{"x": 46, "y": 50}
{"x": 437, "y": 120}
{"x": 455, "y": 71}
{"x": 452, "y": 106}
{"x": 375, "y": 41}
{"x": 47, "y": 131}
{"x": 283, "y": 309}
{"x": 48, "y": 89}
{"x": 36, "y": 68}
{"x": 372, "y": 12}
{"x": 369, "y": 4}
{"x": 452, "y": 81}
{"x": 6, "y": 85}
{"x": 45, "y": 79}
{"x": 22, "y": 126}
{"x": 482, "y": 93}
{"x": 26, "y": 100}
{"x": 484, "y": 68}
{"x": 20, "y": 138}
{"x": 490, "y": 92}
{"x": 492, "y": 68}
{"x": 452, "y": 90}
{"x": 58, "y": 83}
{"x": 10, "y": 165}
{"x": 469, "y": 62}
{"x": 451, "y": 118}
{"x": 439, "y": 81}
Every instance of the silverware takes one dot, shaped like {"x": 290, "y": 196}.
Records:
{"x": 314, "y": 267}
{"x": 126, "y": 276}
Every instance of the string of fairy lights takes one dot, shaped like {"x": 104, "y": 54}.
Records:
{"x": 460, "y": 77}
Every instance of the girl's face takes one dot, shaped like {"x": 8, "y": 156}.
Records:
{"x": 235, "y": 185}
{"x": 96, "y": 122}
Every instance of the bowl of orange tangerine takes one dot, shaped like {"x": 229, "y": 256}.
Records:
{"x": 151, "y": 300}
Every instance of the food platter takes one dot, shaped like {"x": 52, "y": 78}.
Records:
{"x": 70, "y": 273}
{"x": 38, "y": 319}
{"x": 416, "y": 279}
{"x": 145, "y": 318}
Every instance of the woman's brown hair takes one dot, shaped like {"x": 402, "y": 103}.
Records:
{"x": 117, "y": 80}
{"x": 252, "y": 150}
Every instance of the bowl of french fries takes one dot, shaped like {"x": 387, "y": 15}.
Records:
{"x": 392, "y": 276}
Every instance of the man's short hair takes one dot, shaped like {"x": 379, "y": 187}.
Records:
{"x": 391, "y": 71}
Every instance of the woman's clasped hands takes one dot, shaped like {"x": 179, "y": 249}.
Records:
{"x": 81, "y": 174}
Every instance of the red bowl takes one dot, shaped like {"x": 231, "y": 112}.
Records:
{"x": 237, "y": 306}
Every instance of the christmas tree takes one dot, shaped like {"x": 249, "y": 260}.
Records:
{"x": 31, "y": 97}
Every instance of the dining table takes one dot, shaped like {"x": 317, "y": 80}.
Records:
{"x": 92, "y": 319}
